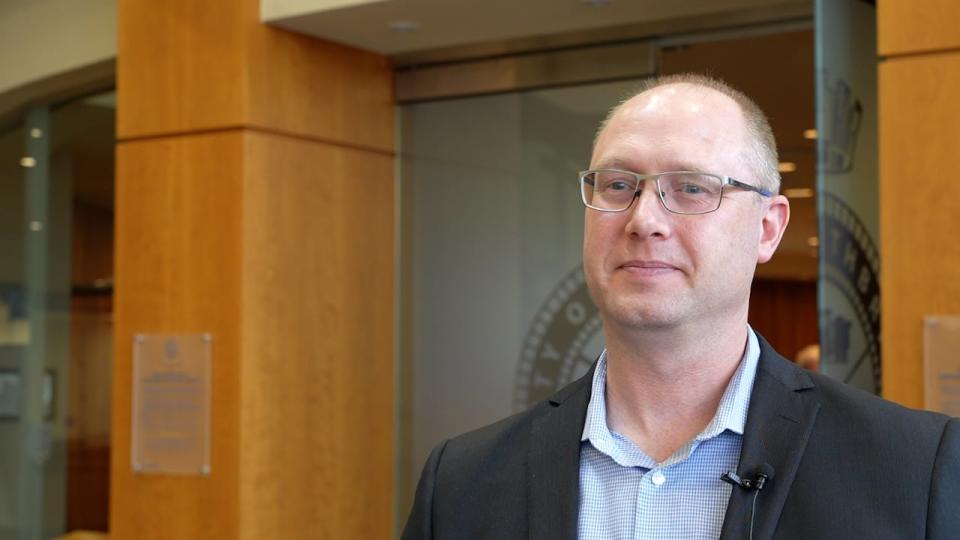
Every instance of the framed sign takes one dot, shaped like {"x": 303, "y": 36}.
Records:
{"x": 171, "y": 404}
{"x": 941, "y": 364}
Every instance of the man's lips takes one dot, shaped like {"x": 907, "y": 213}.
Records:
{"x": 652, "y": 265}
{"x": 647, "y": 267}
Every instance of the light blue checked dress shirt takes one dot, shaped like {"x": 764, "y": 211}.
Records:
{"x": 625, "y": 494}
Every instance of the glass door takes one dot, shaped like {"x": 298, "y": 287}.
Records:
{"x": 34, "y": 330}
{"x": 496, "y": 314}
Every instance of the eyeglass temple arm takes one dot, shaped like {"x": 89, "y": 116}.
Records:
{"x": 748, "y": 187}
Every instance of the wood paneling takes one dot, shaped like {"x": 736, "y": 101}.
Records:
{"x": 255, "y": 201}
{"x": 180, "y": 65}
{"x": 919, "y": 210}
{"x": 88, "y": 436}
{"x": 319, "y": 89}
{"x": 178, "y": 270}
{"x": 785, "y": 313}
{"x": 91, "y": 340}
{"x": 193, "y": 66}
{"x": 92, "y": 253}
{"x": 283, "y": 248}
{"x": 910, "y": 26}
{"x": 88, "y": 486}
{"x": 317, "y": 375}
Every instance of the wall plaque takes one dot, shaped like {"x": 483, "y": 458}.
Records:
{"x": 171, "y": 404}
{"x": 941, "y": 362}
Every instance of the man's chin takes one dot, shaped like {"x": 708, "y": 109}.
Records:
{"x": 641, "y": 317}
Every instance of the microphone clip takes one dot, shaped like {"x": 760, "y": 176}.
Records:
{"x": 748, "y": 484}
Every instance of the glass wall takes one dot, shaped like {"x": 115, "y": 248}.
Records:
{"x": 848, "y": 191}
{"x": 14, "y": 326}
{"x": 44, "y": 161}
{"x": 496, "y": 314}
{"x": 35, "y": 289}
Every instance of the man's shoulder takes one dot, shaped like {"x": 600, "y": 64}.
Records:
{"x": 507, "y": 441}
{"x": 503, "y": 431}
{"x": 480, "y": 484}
{"x": 862, "y": 408}
{"x": 849, "y": 406}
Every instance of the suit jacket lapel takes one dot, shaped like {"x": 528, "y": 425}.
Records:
{"x": 782, "y": 413}
{"x": 554, "y": 483}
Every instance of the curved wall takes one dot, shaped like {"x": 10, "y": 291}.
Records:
{"x": 52, "y": 47}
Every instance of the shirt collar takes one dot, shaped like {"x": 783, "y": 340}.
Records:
{"x": 731, "y": 413}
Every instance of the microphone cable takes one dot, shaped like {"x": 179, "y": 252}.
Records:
{"x": 756, "y": 484}
{"x": 753, "y": 510}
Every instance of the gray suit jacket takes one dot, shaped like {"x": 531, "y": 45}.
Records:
{"x": 847, "y": 465}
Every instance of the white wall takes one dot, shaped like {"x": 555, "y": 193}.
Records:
{"x": 41, "y": 38}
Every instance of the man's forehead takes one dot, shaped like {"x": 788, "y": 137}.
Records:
{"x": 683, "y": 99}
{"x": 699, "y": 121}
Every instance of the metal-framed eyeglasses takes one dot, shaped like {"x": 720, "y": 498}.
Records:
{"x": 680, "y": 192}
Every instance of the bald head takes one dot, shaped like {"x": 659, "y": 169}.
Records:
{"x": 704, "y": 95}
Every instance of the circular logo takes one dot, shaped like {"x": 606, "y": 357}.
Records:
{"x": 562, "y": 343}
{"x": 850, "y": 322}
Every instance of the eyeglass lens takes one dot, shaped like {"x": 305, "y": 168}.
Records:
{"x": 685, "y": 193}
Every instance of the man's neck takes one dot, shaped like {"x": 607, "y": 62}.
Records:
{"x": 664, "y": 388}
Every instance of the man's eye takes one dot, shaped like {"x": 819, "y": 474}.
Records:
{"x": 692, "y": 189}
{"x": 618, "y": 185}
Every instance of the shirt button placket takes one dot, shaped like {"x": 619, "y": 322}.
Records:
{"x": 657, "y": 478}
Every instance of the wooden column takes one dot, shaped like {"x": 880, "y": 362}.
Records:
{"x": 919, "y": 74}
{"x": 255, "y": 201}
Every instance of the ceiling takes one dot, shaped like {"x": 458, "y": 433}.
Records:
{"x": 396, "y": 27}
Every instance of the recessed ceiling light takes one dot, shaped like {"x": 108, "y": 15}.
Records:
{"x": 798, "y": 193}
{"x": 28, "y": 162}
{"x": 404, "y": 27}
{"x": 810, "y": 134}
{"x": 786, "y": 166}
{"x": 36, "y": 133}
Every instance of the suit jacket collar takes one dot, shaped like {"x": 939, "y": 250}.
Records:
{"x": 554, "y": 483}
{"x": 779, "y": 423}
{"x": 783, "y": 410}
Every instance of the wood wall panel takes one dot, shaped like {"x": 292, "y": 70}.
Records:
{"x": 194, "y": 66}
{"x": 180, "y": 66}
{"x": 785, "y": 313}
{"x": 88, "y": 488}
{"x": 919, "y": 110}
{"x": 317, "y": 379}
{"x": 255, "y": 201}
{"x": 314, "y": 88}
{"x": 178, "y": 256}
{"x": 92, "y": 243}
{"x": 910, "y": 26}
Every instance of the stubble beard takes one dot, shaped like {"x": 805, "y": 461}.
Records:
{"x": 637, "y": 311}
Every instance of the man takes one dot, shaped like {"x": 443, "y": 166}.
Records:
{"x": 682, "y": 205}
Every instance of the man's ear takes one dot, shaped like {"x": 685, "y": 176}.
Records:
{"x": 774, "y": 223}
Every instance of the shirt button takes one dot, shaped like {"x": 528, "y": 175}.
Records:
{"x": 658, "y": 478}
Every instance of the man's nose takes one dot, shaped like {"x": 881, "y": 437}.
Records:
{"x": 648, "y": 217}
